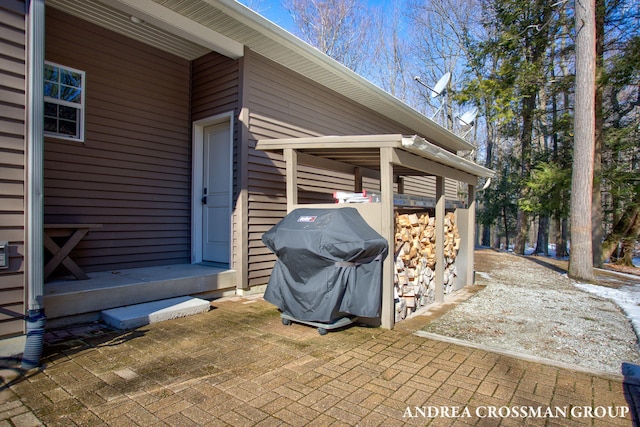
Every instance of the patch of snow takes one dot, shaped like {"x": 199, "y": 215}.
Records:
{"x": 626, "y": 297}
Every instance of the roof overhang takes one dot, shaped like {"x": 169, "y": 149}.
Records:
{"x": 192, "y": 28}
{"x": 412, "y": 155}
{"x": 153, "y": 24}
{"x": 180, "y": 25}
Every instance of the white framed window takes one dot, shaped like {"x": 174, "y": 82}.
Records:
{"x": 64, "y": 90}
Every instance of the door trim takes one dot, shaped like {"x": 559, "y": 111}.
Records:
{"x": 196, "y": 182}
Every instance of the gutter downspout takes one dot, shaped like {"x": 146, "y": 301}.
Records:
{"x": 35, "y": 317}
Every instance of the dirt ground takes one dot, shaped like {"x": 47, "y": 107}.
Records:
{"x": 529, "y": 305}
{"x": 605, "y": 277}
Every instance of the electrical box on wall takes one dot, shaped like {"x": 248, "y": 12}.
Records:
{"x": 4, "y": 254}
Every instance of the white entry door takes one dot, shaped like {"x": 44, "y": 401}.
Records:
{"x": 216, "y": 193}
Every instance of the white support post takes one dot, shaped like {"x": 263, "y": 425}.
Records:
{"x": 291, "y": 159}
{"x": 387, "y": 231}
{"x": 440, "y": 213}
{"x": 472, "y": 238}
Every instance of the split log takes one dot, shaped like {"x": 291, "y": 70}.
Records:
{"x": 415, "y": 261}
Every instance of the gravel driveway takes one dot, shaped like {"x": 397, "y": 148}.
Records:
{"x": 528, "y": 306}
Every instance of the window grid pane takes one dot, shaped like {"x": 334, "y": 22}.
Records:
{"x": 60, "y": 119}
{"x": 63, "y": 108}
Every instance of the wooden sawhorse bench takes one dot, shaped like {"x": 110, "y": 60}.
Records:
{"x": 74, "y": 233}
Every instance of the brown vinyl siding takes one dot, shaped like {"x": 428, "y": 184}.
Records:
{"x": 426, "y": 186}
{"x": 132, "y": 174}
{"x": 12, "y": 165}
{"x": 282, "y": 104}
{"x": 214, "y": 86}
{"x": 215, "y": 90}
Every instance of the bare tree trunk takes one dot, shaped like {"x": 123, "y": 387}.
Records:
{"x": 496, "y": 237}
{"x": 506, "y": 228}
{"x": 554, "y": 229}
{"x": 629, "y": 244}
{"x": 522, "y": 231}
{"x": 542, "y": 243}
{"x": 559, "y": 228}
{"x": 528, "y": 108}
{"x": 581, "y": 256}
{"x": 486, "y": 235}
{"x": 488, "y": 163}
{"x": 596, "y": 210}
{"x": 561, "y": 244}
{"x": 622, "y": 230}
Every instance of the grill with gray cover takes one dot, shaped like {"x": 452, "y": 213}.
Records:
{"x": 329, "y": 267}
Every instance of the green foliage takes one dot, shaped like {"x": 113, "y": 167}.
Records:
{"x": 621, "y": 133}
{"x": 519, "y": 64}
{"x": 621, "y": 171}
{"x": 500, "y": 99}
{"x": 624, "y": 68}
{"x": 498, "y": 205}
{"x": 510, "y": 67}
{"x": 549, "y": 186}
{"x": 501, "y": 196}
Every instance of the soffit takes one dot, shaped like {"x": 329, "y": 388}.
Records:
{"x": 118, "y": 20}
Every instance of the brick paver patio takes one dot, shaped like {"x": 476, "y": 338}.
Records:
{"x": 238, "y": 365}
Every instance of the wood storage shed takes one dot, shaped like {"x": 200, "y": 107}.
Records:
{"x": 387, "y": 159}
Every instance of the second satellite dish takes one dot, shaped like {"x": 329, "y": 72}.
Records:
{"x": 469, "y": 117}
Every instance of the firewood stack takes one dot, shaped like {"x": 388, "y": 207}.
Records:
{"x": 415, "y": 260}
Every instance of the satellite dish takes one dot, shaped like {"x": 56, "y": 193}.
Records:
{"x": 467, "y": 120}
{"x": 486, "y": 184}
{"x": 441, "y": 85}
{"x": 436, "y": 91}
{"x": 469, "y": 117}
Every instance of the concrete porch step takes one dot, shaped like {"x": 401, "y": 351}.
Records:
{"x": 137, "y": 315}
{"x": 66, "y": 300}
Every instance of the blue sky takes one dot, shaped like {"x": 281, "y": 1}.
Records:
{"x": 274, "y": 12}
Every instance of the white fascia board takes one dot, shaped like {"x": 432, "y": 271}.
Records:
{"x": 173, "y": 22}
{"x": 425, "y": 149}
